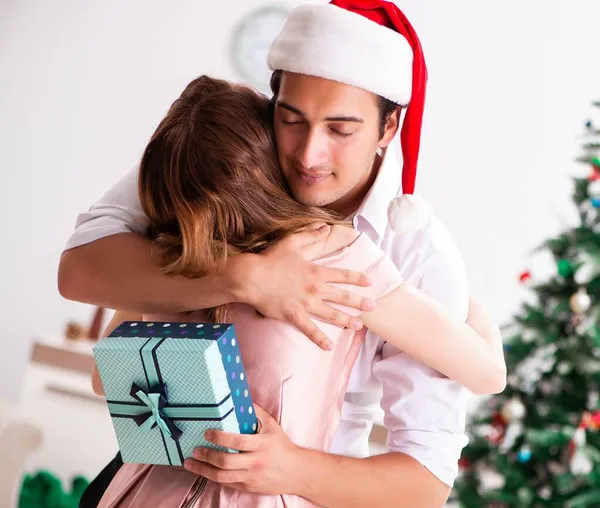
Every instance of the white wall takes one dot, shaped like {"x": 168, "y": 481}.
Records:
{"x": 82, "y": 86}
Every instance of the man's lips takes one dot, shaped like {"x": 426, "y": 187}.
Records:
{"x": 312, "y": 177}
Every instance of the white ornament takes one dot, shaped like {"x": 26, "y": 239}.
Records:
{"x": 579, "y": 436}
{"x": 594, "y": 189}
{"x": 513, "y": 410}
{"x": 564, "y": 368}
{"x": 580, "y": 302}
{"x": 585, "y": 272}
{"x": 493, "y": 480}
{"x": 545, "y": 492}
{"x": 408, "y": 213}
{"x": 580, "y": 463}
{"x": 513, "y": 431}
{"x": 528, "y": 336}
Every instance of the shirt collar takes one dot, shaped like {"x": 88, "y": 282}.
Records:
{"x": 386, "y": 187}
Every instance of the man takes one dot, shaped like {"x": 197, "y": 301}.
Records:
{"x": 342, "y": 74}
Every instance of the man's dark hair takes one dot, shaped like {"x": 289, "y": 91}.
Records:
{"x": 386, "y": 106}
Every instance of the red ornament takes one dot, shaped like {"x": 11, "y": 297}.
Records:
{"x": 464, "y": 463}
{"x": 498, "y": 429}
{"x": 525, "y": 277}
{"x": 595, "y": 174}
{"x": 590, "y": 420}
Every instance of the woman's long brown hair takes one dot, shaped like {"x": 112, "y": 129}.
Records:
{"x": 211, "y": 185}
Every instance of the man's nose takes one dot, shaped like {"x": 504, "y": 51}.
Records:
{"x": 313, "y": 151}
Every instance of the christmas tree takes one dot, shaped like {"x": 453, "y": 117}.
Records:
{"x": 538, "y": 443}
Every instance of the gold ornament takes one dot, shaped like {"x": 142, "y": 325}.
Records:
{"x": 513, "y": 410}
{"x": 580, "y": 302}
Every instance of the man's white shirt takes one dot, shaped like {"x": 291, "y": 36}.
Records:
{"x": 423, "y": 411}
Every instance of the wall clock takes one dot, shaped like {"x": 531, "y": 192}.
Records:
{"x": 252, "y": 39}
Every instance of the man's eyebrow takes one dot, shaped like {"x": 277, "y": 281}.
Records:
{"x": 289, "y": 107}
{"x": 297, "y": 111}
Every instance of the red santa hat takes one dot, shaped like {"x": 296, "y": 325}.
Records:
{"x": 369, "y": 44}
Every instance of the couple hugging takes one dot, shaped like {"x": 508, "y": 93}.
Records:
{"x": 290, "y": 218}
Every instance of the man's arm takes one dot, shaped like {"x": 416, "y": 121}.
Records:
{"x": 272, "y": 464}
{"x": 122, "y": 271}
{"x": 108, "y": 262}
{"x": 425, "y": 411}
{"x": 388, "y": 480}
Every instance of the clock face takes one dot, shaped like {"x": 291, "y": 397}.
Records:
{"x": 251, "y": 42}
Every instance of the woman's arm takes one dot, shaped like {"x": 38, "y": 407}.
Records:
{"x": 117, "y": 319}
{"x": 482, "y": 322}
{"x": 470, "y": 353}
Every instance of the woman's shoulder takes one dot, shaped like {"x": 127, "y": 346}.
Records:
{"x": 364, "y": 255}
{"x": 341, "y": 236}
{"x": 348, "y": 248}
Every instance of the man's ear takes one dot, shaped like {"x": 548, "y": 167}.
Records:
{"x": 391, "y": 128}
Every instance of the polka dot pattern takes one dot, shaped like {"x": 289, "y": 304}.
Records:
{"x": 238, "y": 384}
{"x": 176, "y": 330}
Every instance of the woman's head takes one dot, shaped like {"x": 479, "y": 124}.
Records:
{"x": 209, "y": 179}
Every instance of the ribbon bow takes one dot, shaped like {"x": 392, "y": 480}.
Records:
{"x": 156, "y": 400}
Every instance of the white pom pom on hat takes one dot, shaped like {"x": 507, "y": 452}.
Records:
{"x": 408, "y": 212}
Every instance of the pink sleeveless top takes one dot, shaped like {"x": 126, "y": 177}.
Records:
{"x": 295, "y": 381}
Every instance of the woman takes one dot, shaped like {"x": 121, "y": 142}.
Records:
{"x": 211, "y": 187}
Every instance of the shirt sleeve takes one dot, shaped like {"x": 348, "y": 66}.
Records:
{"x": 424, "y": 411}
{"x": 119, "y": 210}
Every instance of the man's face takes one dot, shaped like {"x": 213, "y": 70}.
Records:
{"x": 327, "y": 139}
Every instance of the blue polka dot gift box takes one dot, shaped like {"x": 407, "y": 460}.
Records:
{"x": 167, "y": 383}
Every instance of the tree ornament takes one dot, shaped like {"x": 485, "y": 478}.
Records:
{"x": 525, "y": 277}
{"x": 524, "y": 454}
{"x": 585, "y": 272}
{"x": 528, "y": 336}
{"x": 545, "y": 492}
{"x": 594, "y": 189}
{"x": 591, "y": 420}
{"x": 565, "y": 268}
{"x": 594, "y": 175}
{"x": 512, "y": 412}
{"x": 513, "y": 409}
{"x": 514, "y": 430}
{"x": 497, "y": 429}
{"x": 580, "y": 302}
{"x": 525, "y": 496}
{"x": 579, "y": 462}
{"x": 464, "y": 463}
{"x": 564, "y": 367}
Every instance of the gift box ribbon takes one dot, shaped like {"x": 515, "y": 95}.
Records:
{"x": 152, "y": 408}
